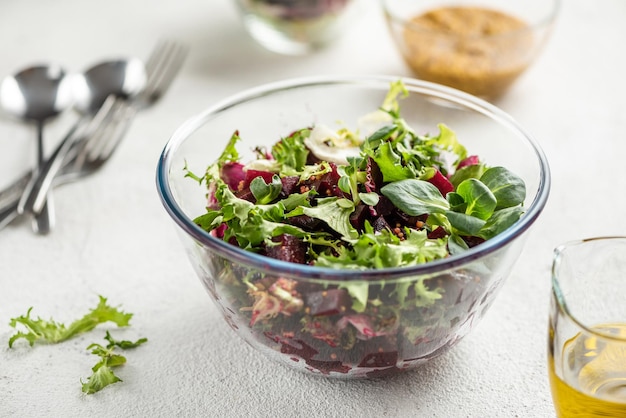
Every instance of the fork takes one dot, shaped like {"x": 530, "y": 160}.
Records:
{"x": 91, "y": 150}
{"x": 105, "y": 126}
{"x": 161, "y": 68}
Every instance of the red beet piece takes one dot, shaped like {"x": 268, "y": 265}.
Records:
{"x": 333, "y": 175}
{"x": 437, "y": 233}
{"x": 246, "y": 194}
{"x": 441, "y": 183}
{"x": 381, "y": 359}
{"x": 290, "y": 184}
{"x": 302, "y": 349}
{"x": 357, "y": 218}
{"x": 327, "y": 302}
{"x": 328, "y": 366}
{"x": 288, "y": 248}
{"x": 232, "y": 173}
{"x": 220, "y": 230}
{"x": 380, "y": 224}
{"x": 297, "y": 347}
{"x": 384, "y": 206}
{"x": 379, "y": 373}
{"x": 327, "y": 183}
{"x": 252, "y": 174}
{"x": 471, "y": 160}
{"x": 373, "y": 176}
{"x": 473, "y": 241}
{"x": 305, "y": 222}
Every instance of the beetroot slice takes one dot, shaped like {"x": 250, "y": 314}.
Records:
{"x": 373, "y": 176}
{"x": 441, "y": 183}
{"x": 381, "y": 224}
{"x": 297, "y": 347}
{"x": 252, "y": 174}
{"x": 471, "y": 160}
{"x": 437, "y": 233}
{"x": 357, "y": 218}
{"x": 329, "y": 366}
{"x": 290, "y": 184}
{"x": 302, "y": 349}
{"x": 288, "y": 248}
{"x": 233, "y": 174}
{"x": 328, "y": 302}
{"x": 382, "y": 359}
{"x": 473, "y": 241}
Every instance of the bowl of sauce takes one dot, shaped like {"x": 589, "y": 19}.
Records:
{"x": 480, "y": 48}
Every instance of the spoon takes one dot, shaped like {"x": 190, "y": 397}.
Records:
{"x": 37, "y": 94}
{"x": 123, "y": 78}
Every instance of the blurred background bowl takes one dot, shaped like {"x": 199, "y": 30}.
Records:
{"x": 305, "y": 316}
{"x": 480, "y": 47}
{"x": 296, "y": 27}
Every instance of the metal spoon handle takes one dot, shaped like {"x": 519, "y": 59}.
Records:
{"x": 43, "y": 221}
{"x": 36, "y": 192}
{"x": 13, "y": 192}
{"x": 8, "y": 213}
{"x": 10, "y": 202}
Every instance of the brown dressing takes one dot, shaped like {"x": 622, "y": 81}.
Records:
{"x": 477, "y": 50}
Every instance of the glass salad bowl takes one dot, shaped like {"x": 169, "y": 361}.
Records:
{"x": 348, "y": 322}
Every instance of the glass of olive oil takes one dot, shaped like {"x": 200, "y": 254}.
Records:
{"x": 587, "y": 331}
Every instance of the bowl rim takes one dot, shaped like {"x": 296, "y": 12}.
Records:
{"x": 313, "y": 273}
{"x": 543, "y": 22}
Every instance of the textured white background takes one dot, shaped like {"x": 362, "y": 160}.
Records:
{"x": 114, "y": 238}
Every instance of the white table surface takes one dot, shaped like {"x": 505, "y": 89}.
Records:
{"x": 114, "y": 238}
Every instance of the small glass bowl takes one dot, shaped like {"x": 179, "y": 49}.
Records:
{"x": 297, "y": 27}
{"x": 398, "y": 330}
{"x": 478, "y": 47}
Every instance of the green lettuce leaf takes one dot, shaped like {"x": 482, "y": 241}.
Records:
{"x": 55, "y": 332}
{"x": 334, "y": 212}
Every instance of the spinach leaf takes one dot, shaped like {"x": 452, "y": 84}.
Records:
{"x": 415, "y": 197}
{"x": 479, "y": 200}
{"x": 383, "y": 134}
{"x": 456, "y": 245}
{"x": 507, "y": 187}
{"x": 500, "y": 221}
{"x": 470, "y": 171}
{"x": 457, "y": 202}
{"x": 465, "y": 224}
{"x": 370, "y": 199}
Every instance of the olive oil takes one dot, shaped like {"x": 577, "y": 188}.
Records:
{"x": 593, "y": 380}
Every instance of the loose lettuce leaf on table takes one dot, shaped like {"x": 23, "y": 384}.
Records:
{"x": 54, "y": 332}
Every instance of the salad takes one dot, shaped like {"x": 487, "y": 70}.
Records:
{"x": 300, "y": 25}
{"x": 300, "y": 9}
{"x": 381, "y": 196}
